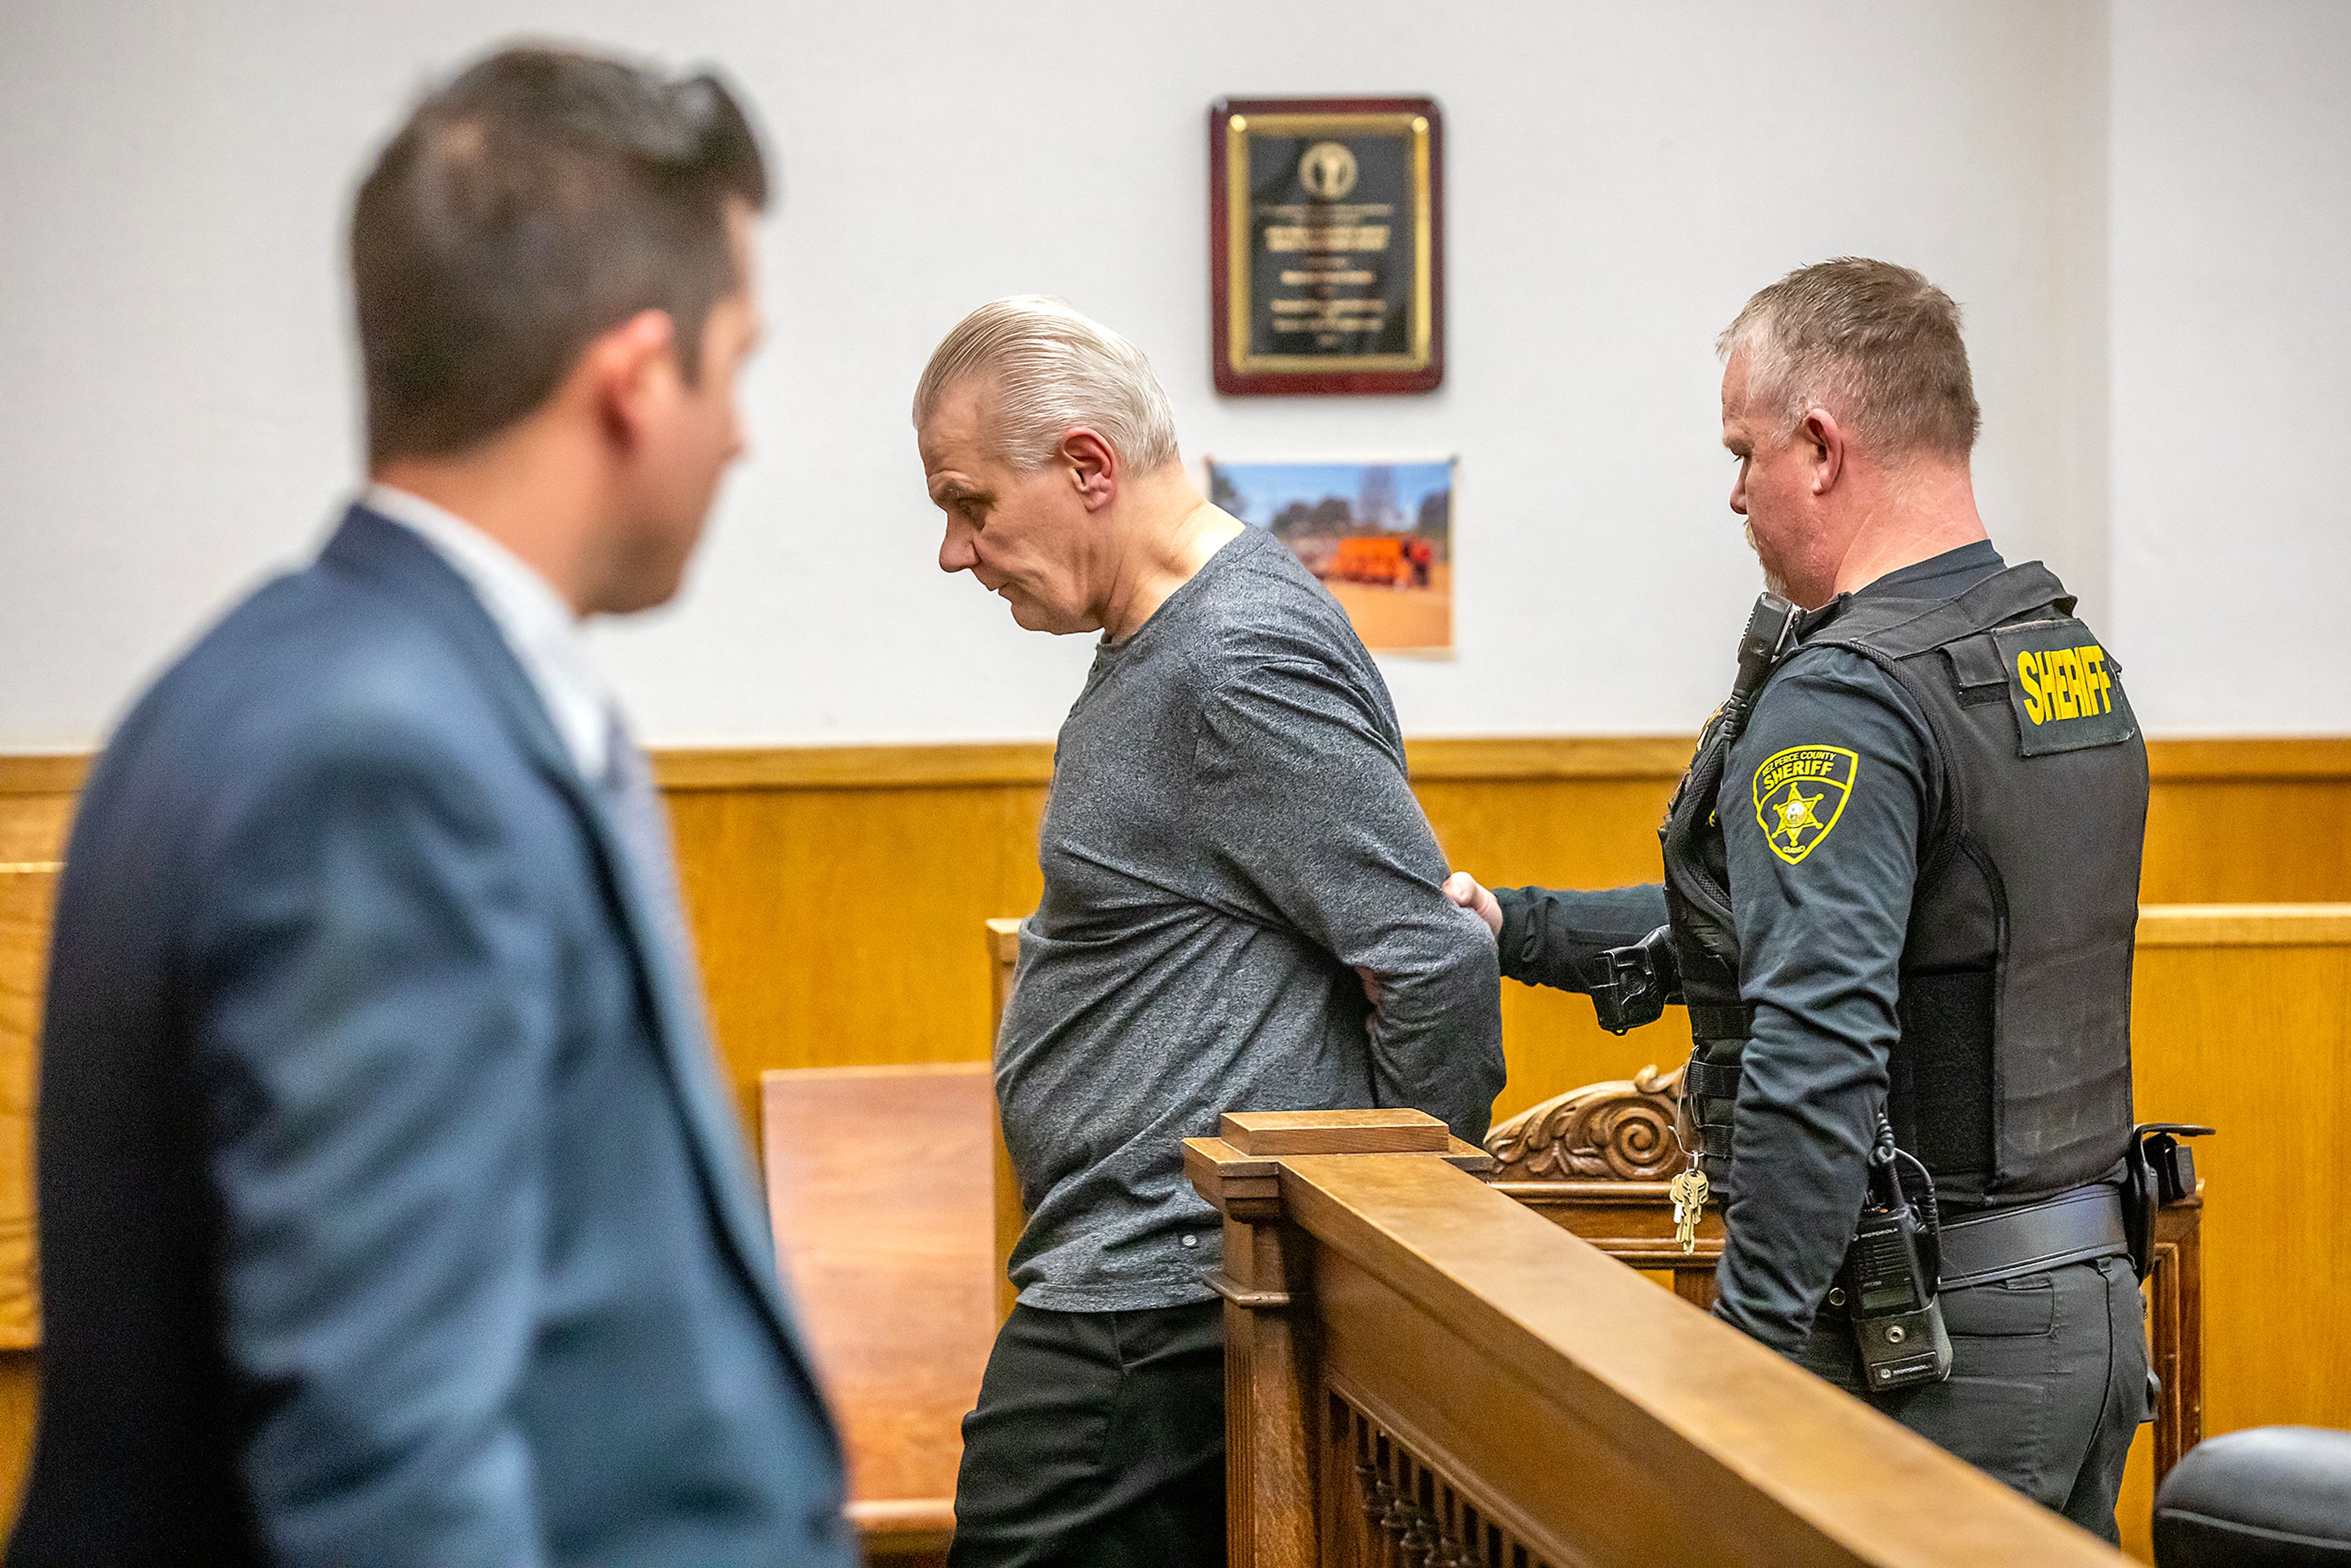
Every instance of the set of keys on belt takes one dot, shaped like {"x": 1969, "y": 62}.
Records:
{"x": 1689, "y": 1190}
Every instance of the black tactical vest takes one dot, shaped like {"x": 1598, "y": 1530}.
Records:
{"x": 2011, "y": 1081}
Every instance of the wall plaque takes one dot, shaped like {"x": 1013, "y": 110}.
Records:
{"x": 1326, "y": 245}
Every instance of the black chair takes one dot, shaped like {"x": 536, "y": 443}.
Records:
{"x": 2273, "y": 1497}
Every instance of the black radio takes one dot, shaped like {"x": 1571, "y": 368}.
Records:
{"x": 1889, "y": 1282}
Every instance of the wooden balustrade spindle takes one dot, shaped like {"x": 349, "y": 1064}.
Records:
{"x": 1419, "y": 1543}
{"x": 1398, "y": 1520}
{"x": 1370, "y": 1484}
{"x": 1453, "y": 1550}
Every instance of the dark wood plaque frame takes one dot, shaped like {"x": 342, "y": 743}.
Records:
{"x": 1229, "y": 312}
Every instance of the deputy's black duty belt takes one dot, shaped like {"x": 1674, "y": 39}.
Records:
{"x": 2008, "y": 1243}
{"x": 1721, "y": 1023}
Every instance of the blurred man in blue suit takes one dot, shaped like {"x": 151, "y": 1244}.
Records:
{"x": 392, "y": 1210}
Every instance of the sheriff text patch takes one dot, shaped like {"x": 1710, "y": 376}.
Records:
{"x": 2063, "y": 689}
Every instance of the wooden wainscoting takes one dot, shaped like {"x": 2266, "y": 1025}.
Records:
{"x": 2249, "y": 821}
{"x": 835, "y": 893}
{"x": 27, "y": 889}
{"x": 834, "y": 889}
{"x": 37, "y": 802}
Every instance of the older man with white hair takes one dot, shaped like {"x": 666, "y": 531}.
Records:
{"x": 1243, "y": 909}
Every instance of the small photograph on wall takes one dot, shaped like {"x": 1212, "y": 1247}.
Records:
{"x": 1378, "y": 535}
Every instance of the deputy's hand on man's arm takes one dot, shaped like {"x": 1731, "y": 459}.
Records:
{"x": 1552, "y": 936}
{"x": 1470, "y": 894}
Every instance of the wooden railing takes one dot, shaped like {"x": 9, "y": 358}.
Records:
{"x": 1595, "y": 1161}
{"x": 1421, "y": 1370}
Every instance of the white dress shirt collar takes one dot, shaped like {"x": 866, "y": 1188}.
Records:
{"x": 529, "y": 614}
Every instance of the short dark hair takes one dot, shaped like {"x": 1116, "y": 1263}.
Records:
{"x": 542, "y": 197}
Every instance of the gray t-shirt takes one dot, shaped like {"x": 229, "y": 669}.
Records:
{"x": 1230, "y": 836}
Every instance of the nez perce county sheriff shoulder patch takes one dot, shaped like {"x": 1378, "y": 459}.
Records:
{"x": 1799, "y": 795}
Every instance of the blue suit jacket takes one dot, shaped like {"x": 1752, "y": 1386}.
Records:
{"x": 392, "y": 1210}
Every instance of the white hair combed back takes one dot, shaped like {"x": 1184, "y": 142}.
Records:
{"x": 1050, "y": 369}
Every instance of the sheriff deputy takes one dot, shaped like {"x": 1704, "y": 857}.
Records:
{"x": 1901, "y": 878}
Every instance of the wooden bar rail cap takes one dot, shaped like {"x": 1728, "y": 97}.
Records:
{"x": 1397, "y": 1132}
{"x": 1246, "y": 1183}
{"x": 1392, "y": 1322}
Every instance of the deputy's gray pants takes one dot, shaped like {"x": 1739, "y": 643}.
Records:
{"x": 2048, "y": 1383}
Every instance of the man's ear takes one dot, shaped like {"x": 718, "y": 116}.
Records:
{"x": 627, "y": 367}
{"x": 1820, "y": 431}
{"x": 1090, "y": 464}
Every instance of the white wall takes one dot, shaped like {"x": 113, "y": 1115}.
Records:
{"x": 176, "y": 413}
{"x": 2231, "y": 366}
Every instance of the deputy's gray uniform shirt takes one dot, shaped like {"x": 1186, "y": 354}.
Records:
{"x": 1230, "y": 836}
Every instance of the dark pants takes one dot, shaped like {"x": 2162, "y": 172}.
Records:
{"x": 2048, "y": 1384}
{"x": 1099, "y": 1442}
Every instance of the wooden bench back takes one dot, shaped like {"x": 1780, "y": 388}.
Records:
{"x": 879, "y": 1187}
{"x": 2241, "y": 1019}
{"x": 1010, "y": 1216}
